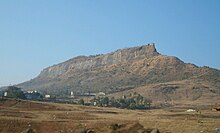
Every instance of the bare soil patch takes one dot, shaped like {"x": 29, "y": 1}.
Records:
{"x": 18, "y": 116}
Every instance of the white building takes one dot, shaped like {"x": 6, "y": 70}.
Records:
{"x": 5, "y": 94}
{"x": 47, "y": 96}
{"x": 71, "y": 94}
{"x": 30, "y": 91}
{"x": 101, "y": 94}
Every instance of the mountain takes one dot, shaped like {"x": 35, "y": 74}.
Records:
{"x": 141, "y": 69}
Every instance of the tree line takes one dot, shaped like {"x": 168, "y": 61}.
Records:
{"x": 134, "y": 101}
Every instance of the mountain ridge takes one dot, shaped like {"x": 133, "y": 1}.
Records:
{"x": 123, "y": 70}
{"x": 117, "y": 56}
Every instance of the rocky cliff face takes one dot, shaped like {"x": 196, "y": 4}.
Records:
{"x": 129, "y": 69}
{"x": 83, "y": 62}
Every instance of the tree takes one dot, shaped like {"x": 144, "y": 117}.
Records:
{"x": 105, "y": 101}
{"x": 81, "y": 102}
{"x": 15, "y": 92}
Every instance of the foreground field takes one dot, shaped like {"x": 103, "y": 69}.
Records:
{"x": 24, "y": 116}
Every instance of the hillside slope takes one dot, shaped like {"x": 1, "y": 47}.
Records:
{"x": 126, "y": 69}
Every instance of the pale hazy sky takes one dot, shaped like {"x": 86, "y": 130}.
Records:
{"x": 35, "y": 34}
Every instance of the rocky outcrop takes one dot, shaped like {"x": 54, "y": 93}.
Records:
{"x": 83, "y": 62}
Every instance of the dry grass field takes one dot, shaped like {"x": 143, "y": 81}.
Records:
{"x": 18, "y": 116}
